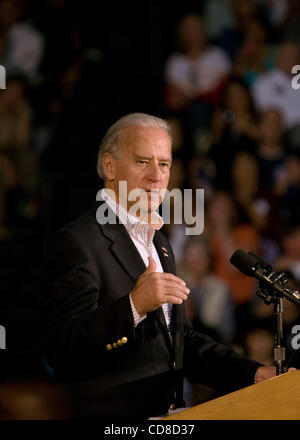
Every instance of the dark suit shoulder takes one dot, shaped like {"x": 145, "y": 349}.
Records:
{"x": 84, "y": 228}
{"x": 84, "y": 221}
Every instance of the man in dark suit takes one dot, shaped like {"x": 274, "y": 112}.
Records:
{"x": 116, "y": 334}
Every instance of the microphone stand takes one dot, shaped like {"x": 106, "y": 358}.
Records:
{"x": 272, "y": 287}
{"x": 278, "y": 349}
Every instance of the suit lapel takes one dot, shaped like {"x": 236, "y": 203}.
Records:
{"x": 163, "y": 254}
{"x": 124, "y": 249}
{"x": 127, "y": 254}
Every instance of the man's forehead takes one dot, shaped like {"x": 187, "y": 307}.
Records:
{"x": 136, "y": 139}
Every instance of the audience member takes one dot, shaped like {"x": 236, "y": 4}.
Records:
{"x": 209, "y": 305}
{"x": 231, "y": 38}
{"x": 291, "y": 20}
{"x": 24, "y": 44}
{"x": 19, "y": 163}
{"x": 255, "y": 55}
{"x": 199, "y": 70}
{"x": 274, "y": 90}
{"x": 258, "y": 344}
{"x": 271, "y": 148}
{"x": 288, "y": 189}
{"x": 234, "y": 127}
{"x": 290, "y": 257}
{"x": 218, "y": 16}
{"x": 226, "y": 235}
{"x": 195, "y": 76}
{"x": 256, "y": 204}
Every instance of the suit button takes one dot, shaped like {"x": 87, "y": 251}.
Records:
{"x": 124, "y": 339}
{"x": 119, "y": 343}
{"x": 115, "y": 345}
{"x": 174, "y": 364}
{"x": 108, "y": 347}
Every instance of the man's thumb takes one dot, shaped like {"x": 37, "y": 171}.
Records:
{"x": 151, "y": 267}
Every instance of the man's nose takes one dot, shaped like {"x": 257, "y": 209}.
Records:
{"x": 154, "y": 172}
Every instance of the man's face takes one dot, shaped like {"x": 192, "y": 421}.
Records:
{"x": 144, "y": 163}
{"x": 288, "y": 56}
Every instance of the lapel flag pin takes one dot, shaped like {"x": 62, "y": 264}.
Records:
{"x": 165, "y": 251}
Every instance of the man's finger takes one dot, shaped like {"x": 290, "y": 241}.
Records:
{"x": 175, "y": 293}
{"x": 173, "y": 299}
{"x": 170, "y": 277}
{"x": 151, "y": 267}
{"x": 173, "y": 286}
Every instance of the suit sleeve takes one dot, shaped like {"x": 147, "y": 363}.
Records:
{"x": 215, "y": 365}
{"x": 76, "y": 324}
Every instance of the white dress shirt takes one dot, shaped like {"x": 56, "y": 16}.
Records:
{"x": 142, "y": 236}
{"x": 274, "y": 89}
{"x": 200, "y": 75}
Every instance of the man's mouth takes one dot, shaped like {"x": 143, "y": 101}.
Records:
{"x": 154, "y": 191}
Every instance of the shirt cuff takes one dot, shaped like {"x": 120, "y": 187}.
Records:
{"x": 137, "y": 318}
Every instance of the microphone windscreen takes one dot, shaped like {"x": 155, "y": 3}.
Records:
{"x": 244, "y": 262}
{"x": 262, "y": 262}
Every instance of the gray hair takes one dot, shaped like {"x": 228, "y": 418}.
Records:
{"x": 111, "y": 143}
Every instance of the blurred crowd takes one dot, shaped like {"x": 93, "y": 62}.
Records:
{"x": 229, "y": 95}
{"x": 220, "y": 72}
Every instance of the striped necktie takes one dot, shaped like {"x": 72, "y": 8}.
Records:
{"x": 168, "y": 312}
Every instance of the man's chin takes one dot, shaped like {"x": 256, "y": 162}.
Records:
{"x": 145, "y": 210}
{"x": 148, "y": 209}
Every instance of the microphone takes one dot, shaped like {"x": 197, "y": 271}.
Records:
{"x": 263, "y": 263}
{"x": 254, "y": 266}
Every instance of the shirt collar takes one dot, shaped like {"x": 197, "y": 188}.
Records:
{"x": 141, "y": 230}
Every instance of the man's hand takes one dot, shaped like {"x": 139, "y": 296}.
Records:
{"x": 264, "y": 373}
{"x": 154, "y": 289}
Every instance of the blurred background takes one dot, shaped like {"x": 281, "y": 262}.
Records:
{"x": 220, "y": 72}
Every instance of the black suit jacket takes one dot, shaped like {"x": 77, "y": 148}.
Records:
{"x": 94, "y": 269}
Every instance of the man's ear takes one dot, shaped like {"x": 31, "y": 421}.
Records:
{"x": 108, "y": 162}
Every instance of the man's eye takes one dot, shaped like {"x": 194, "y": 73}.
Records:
{"x": 143, "y": 162}
{"x": 164, "y": 165}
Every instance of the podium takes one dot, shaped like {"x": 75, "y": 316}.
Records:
{"x": 274, "y": 399}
